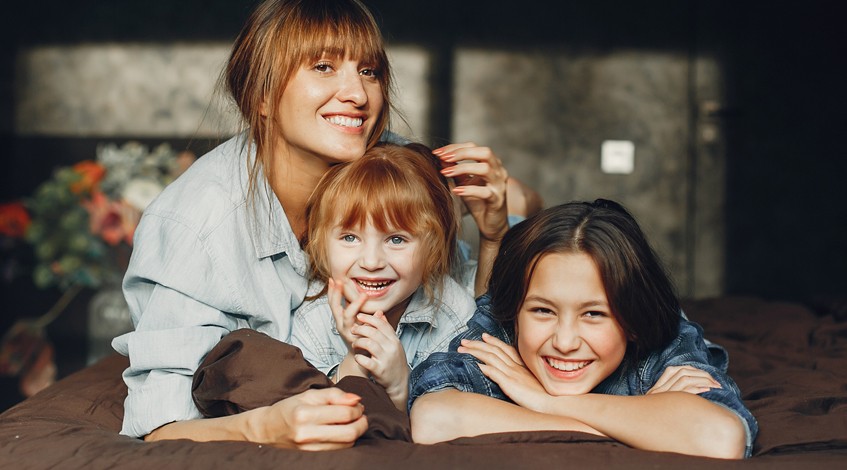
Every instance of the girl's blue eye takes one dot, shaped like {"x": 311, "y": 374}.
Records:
{"x": 349, "y": 238}
{"x": 395, "y": 240}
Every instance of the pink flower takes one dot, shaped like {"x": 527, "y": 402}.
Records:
{"x": 113, "y": 221}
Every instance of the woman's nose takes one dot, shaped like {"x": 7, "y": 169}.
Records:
{"x": 351, "y": 87}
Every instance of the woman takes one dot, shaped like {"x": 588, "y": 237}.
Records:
{"x": 219, "y": 251}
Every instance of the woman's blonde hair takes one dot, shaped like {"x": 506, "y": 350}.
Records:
{"x": 393, "y": 187}
{"x": 279, "y": 37}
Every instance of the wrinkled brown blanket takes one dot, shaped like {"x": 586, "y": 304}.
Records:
{"x": 236, "y": 376}
{"x": 790, "y": 362}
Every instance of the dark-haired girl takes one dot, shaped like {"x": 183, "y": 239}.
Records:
{"x": 581, "y": 330}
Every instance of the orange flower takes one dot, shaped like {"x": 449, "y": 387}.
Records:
{"x": 91, "y": 173}
{"x": 14, "y": 219}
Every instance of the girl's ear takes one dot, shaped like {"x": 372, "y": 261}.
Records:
{"x": 263, "y": 108}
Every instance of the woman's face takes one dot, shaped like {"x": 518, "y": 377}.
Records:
{"x": 567, "y": 335}
{"x": 328, "y": 110}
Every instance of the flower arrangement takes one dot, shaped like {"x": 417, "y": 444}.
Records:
{"x": 80, "y": 225}
{"x": 80, "y": 222}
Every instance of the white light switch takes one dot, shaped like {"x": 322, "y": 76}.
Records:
{"x": 617, "y": 156}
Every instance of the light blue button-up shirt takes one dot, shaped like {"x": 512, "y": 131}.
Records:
{"x": 424, "y": 328}
{"x": 207, "y": 260}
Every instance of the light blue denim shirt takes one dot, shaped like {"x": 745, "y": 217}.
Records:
{"x": 206, "y": 262}
{"x": 424, "y": 328}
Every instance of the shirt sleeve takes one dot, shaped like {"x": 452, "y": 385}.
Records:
{"x": 311, "y": 332}
{"x": 170, "y": 286}
{"x": 690, "y": 349}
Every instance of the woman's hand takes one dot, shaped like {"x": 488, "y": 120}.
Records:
{"x": 481, "y": 183}
{"x": 503, "y": 365}
{"x": 322, "y": 419}
{"x": 684, "y": 379}
{"x": 345, "y": 317}
{"x": 386, "y": 361}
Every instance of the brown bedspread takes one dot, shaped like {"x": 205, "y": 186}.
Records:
{"x": 790, "y": 362}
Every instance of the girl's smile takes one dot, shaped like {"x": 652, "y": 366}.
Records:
{"x": 384, "y": 265}
{"x": 567, "y": 335}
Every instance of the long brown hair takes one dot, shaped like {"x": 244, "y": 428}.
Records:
{"x": 640, "y": 292}
{"x": 393, "y": 187}
{"x": 279, "y": 37}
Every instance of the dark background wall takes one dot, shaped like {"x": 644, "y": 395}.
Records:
{"x": 780, "y": 114}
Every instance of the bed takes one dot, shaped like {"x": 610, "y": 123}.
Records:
{"x": 790, "y": 361}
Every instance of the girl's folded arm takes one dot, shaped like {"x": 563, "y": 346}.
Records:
{"x": 450, "y": 414}
{"x": 667, "y": 422}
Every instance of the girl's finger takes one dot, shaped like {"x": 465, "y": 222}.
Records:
{"x": 377, "y": 322}
{"x": 505, "y": 347}
{"x": 486, "y": 355}
{"x": 367, "y": 363}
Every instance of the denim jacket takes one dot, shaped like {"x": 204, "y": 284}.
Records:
{"x": 460, "y": 371}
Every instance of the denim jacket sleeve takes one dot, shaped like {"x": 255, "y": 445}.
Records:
{"x": 689, "y": 348}
{"x": 456, "y": 370}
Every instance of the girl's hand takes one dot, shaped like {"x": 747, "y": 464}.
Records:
{"x": 387, "y": 362}
{"x": 684, "y": 379}
{"x": 503, "y": 365}
{"x": 322, "y": 419}
{"x": 481, "y": 183}
{"x": 345, "y": 317}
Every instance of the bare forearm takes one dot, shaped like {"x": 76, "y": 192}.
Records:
{"x": 670, "y": 422}
{"x": 450, "y": 414}
{"x": 227, "y": 428}
{"x": 487, "y": 253}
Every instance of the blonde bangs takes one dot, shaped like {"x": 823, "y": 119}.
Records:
{"x": 327, "y": 30}
{"x": 380, "y": 194}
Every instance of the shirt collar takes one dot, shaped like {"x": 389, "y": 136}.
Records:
{"x": 270, "y": 231}
{"x": 420, "y": 310}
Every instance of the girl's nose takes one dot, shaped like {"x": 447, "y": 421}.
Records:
{"x": 566, "y": 338}
{"x": 372, "y": 257}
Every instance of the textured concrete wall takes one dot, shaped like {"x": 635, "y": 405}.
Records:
{"x": 160, "y": 90}
{"x": 546, "y": 113}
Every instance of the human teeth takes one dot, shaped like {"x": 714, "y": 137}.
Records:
{"x": 345, "y": 121}
{"x": 374, "y": 285}
{"x": 567, "y": 366}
